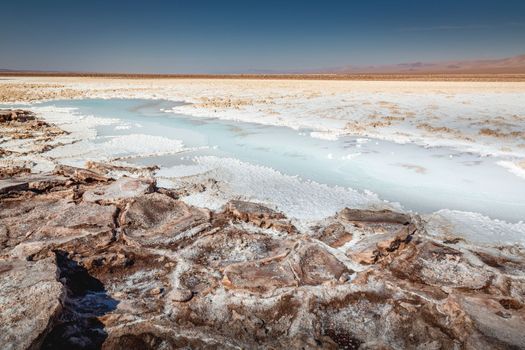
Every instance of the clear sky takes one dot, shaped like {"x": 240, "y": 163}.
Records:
{"x": 198, "y": 36}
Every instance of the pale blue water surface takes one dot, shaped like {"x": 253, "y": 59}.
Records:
{"x": 421, "y": 179}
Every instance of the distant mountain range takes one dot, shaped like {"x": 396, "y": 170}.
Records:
{"x": 509, "y": 65}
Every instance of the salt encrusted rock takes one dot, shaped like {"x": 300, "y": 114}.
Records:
{"x": 31, "y": 182}
{"x": 104, "y": 168}
{"x": 335, "y": 235}
{"x": 380, "y": 216}
{"x": 9, "y": 185}
{"x": 16, "y": 115}
{"x": 308, "y": 264}
{"x": 440, "y": 265}
{"x": 80, "y": 175}
{"x": 258, "y": 215}
{"x": 30, "y": 302}
{"x": 180, "y": 276}
{"x": 8, "y": 172}
{"x": 25, "y": 134}
{"x": 158, "y": 220}
{"x": 370, "y": 249}
{"x": 52, "y": 220}
{"x": 120, "y": 190}
{"x": 181, "y": 295}
{"x": 497, "y": 319}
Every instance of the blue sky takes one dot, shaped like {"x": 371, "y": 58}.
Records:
{"x": 242, "y": 36}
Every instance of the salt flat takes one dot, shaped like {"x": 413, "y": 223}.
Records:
{"x": 478, "y": 125}
{"x": 484, "y": 117}
{"x": 228, "y": 213}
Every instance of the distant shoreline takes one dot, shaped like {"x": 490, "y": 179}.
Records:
{"x": 370, "y": 76}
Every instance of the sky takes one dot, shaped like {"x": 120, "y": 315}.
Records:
{"x": 197, "y": 36}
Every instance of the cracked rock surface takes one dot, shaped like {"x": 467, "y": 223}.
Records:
{"x": 90, "y": 262}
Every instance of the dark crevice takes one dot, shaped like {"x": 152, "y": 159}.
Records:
{"x": 343, "y": 339}
{"x": 116, "y": 223}
{"x": 78, "y": 326}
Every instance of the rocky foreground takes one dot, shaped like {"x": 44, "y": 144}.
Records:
{"x": 89, "y": 262}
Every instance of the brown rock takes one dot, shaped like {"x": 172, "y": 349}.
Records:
{"x": 370, "y": 249}
{"x": 258, "y": 215}
{"x": 495, "y": 321}
{"x": 120, "y": 190}
{"x": 180, "y": 276}
{"x": 308, "y": 264}
{"x": 12, "y": 185}
{"x": 378, "y": 216}
{"x": 31, "y": 182}
{"x": 52, "y": 221}
{"x": 181, "y": 295}
{"x": 440, "y": 265}
{"x": 80, "y": 175}
{"x": 335, "y": 235}
{"x": 16, "y": 115}
{"x": 8, "y": 172}
{"x": 104, "y": 168}
{"x": 30, "y": 302}
{"x": 158, "y": 220}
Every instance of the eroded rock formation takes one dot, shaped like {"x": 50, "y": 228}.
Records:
{"x": 87, "y": 261}
{"x": 117, "y": 264}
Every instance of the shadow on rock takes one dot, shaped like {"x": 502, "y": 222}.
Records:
{"x": 78, "y": 326}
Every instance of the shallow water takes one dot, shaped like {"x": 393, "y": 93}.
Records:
{"x": 421, "y": 179}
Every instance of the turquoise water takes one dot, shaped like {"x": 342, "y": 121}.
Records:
{"x": 421, "y": 179}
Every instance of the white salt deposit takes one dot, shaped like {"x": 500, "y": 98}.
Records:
{"x": 474, "y": 227}
{"x": 303, "y": 200}
{"x": 402, "y": 170}
{"x": 133, "y": 145}
{"x": 513, "y": 168}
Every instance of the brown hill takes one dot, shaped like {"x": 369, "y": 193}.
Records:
{"x": 509, "y": 65}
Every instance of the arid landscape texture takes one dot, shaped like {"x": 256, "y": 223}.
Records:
{"x": 98, "y": 250}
